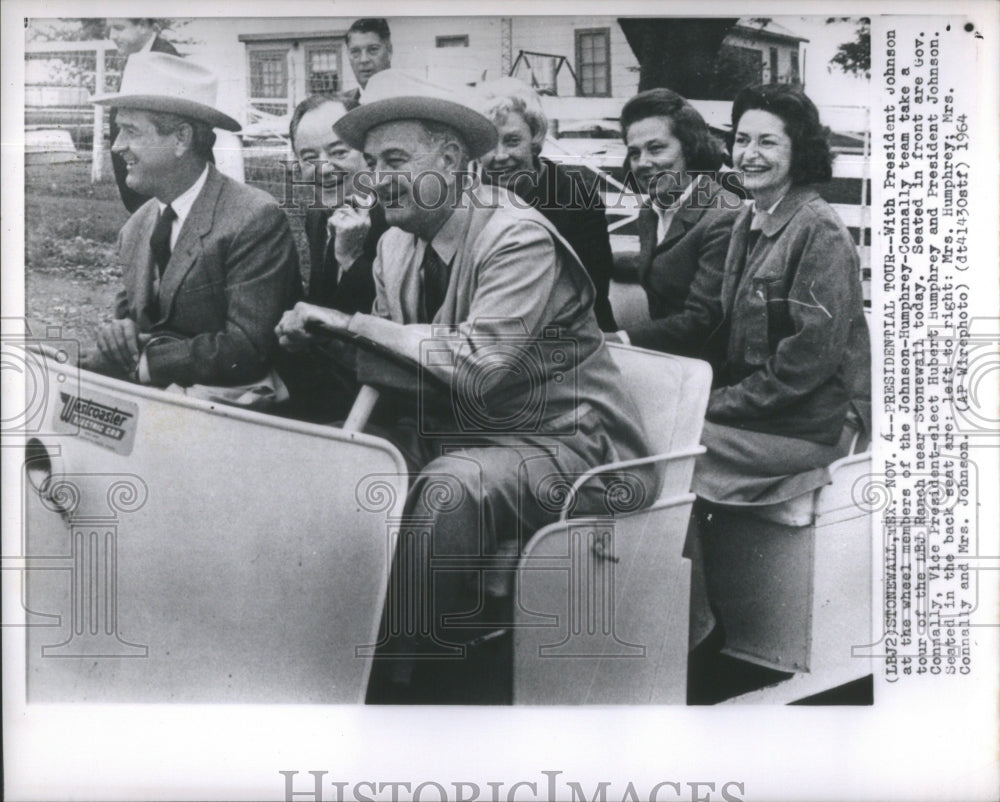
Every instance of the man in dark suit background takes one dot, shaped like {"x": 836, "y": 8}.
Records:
{"x": 343, "y": 240}
{"x": 344, "y": 234}
{"x": 132, "y": 35}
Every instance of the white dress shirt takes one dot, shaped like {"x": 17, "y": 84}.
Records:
{"x": 182, "y": 208}
{"x": 182, "y": 205}
{"x": 665, "y": 215}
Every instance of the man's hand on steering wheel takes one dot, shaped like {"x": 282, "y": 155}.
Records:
{"x": 297, "y": 327}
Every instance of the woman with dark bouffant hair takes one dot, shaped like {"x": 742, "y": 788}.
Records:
{"x": 685, "y": 223}
{"x": 794, "y": 386}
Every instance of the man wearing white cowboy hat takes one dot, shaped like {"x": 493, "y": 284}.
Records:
{"x": 132, "y": 35}
{"x": 487, "y": 298}
{"x": 209, "y": 264}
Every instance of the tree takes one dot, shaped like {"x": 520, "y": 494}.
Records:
{"x": 67, "y": 29}
{"x": 83, "y": 29}
{"x": 855, "y": 57}
{"x": 680, "y": 54}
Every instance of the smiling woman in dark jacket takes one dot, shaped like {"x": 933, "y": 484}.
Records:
{"x": 686, "y": 220}
{"x": 794, "y": 385}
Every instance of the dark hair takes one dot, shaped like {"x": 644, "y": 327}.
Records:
{"x": 202, "y": 135}
{"x": 702, "y": 151}
{"x": 376, "y": 25}
{"x": 313, "y": 102}
{"x": 812, "y": 160}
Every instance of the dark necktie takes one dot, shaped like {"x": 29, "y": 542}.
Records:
{"x": 159, "y": 242}
{"x": 434, "y": 285}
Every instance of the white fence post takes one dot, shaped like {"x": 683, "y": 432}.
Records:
{"x": 70, "y": 52}
{"x": 97, "y": 146}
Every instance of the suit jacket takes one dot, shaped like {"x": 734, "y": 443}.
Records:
{"x": 355, "y": 292}
{"x": 514, "y": 284}
{"x": 572, "y": 204}
{"x": 797, "y": 347}
{"x": 231, "y": 274}
{"x": 682, "y": 273}
{"x": 352, "y": 98}
{"x": 132, "y": 199}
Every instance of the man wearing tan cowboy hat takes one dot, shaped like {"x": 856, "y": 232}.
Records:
{"x": 492, "y": 304}
{"x": 209, "y": 264}
{"x": 132, "y": 35}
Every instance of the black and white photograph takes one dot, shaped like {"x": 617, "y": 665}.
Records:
{"x": 501, "y": 403}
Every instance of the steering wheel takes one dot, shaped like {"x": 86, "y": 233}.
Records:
{"x": 368, "y": 394}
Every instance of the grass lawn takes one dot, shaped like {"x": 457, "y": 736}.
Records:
{"x": 71, "y": 227}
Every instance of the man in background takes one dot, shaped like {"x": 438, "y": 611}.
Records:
{"x": 343, "y": 239}
{"x": 344, "y": 234}
{"x": 369, "y": 49}
{"x": 132, "y": 35}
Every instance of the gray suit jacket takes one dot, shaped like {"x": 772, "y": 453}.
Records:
{"x": 516, "y": 291}
{"x": 232, "y": 272}
{"x": 682, "y": 273}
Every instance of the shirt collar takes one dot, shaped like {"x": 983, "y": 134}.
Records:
{"x": 182, "y": 203}
{"x": 673, "y": 207}
{"x": 759, "y": 215}
{"x": 449, "y": 236}
{"x": 665, "y": 216}
{"x": 149, "y": 43}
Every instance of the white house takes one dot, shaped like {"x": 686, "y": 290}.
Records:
{"x": 270, "y": 64}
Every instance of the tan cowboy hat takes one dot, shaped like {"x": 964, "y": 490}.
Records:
{"x": 161, "y": 82}
{"x": 396, "y": 95}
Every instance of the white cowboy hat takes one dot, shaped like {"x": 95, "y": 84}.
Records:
{"x": 396, "y": 95}
{"x": 161, "y": 82}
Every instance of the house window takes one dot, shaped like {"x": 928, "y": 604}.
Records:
{"x": 322, "y": 69}
{"x": 794, "y": 76}
{"x": 774, "y": 65}
{"x": 269, "y": 73}
{"x": 452, "y": 41}
{"x": 269, "y": 79}
{"x": 593, "y": 62}
{"x": 284, "y": 70}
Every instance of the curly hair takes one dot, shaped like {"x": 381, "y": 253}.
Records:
{"x": 505, "y": 95}
{"x": 812, "y": 159}
{"x": 703, "y": 152}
